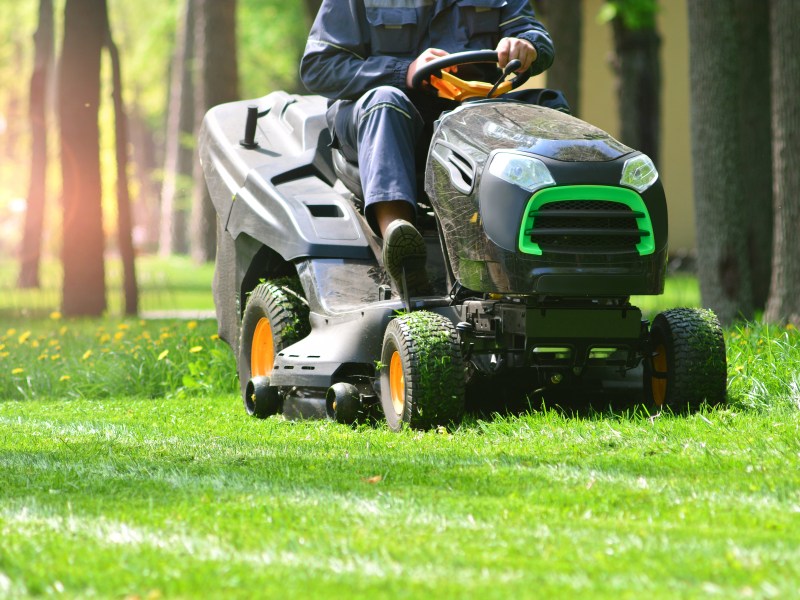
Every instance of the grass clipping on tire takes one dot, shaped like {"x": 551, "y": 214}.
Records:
{"x": 435, "y": 381}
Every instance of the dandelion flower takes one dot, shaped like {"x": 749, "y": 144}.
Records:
{"x": 163, "y": 355}
{"x": 55, "y": 315}
{"x": 55, "y": 357}
{"x": 123, "y": 326}
{"x": 119, "y": 335}
{"x": 24, "y": 337}
{"x": 195, "y": 349}
{"x": 215, "y": 337}
{"x": 87, "y": 354}
{"x": 65, "y": 378}
{"x": 191, "y": 325}
{"x": 11, "y": 332}
{"x": 18, "y": 371}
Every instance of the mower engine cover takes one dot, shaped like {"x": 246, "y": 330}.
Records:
{"x": 535, "y": 201}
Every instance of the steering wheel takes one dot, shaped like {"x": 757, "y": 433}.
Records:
{"x": 453, "y": 88}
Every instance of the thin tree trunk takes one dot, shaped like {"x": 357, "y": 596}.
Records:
{"x": 145, "y": 155}
{"x": 564, "y": 20}
{"x": 752, "y": 17}
{"x": 637, "y": 65}
{"x": 215, "y": 39}
{"x": 312, "y": 8}
{"x": 124, "y": 221}
{"x": 723, "y": 267}
{"x": 176, "y": 191}
{"x": 31, "y": 249}
{"x": 84, "y": 291}
{"x": 784, "y": 299}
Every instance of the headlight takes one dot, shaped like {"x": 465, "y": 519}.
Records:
{"x": 523, "y": 171}
{"x": 639, "y": 173}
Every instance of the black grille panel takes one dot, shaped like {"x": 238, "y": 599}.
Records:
{"x": 586, "y": 227}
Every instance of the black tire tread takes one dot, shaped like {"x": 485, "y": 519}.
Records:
{"x": 434, "y": 376}
{"x": 287, "y": 314}
{"x": 696, "y": 357}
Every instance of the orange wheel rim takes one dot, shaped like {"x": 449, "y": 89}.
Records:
{"x": 397, "y": 383}
{"x": 658, "y": 381}
{"x": 262, "y": 355}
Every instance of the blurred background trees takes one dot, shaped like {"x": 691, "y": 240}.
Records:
{"x": 173, "y": 67}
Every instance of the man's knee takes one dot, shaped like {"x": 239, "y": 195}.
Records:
{"x": 384, "y": 95}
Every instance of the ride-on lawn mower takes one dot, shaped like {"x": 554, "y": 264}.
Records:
{"x": 539, "y": 228}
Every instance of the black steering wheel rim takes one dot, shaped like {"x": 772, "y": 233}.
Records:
{"x": 469, "y": 57}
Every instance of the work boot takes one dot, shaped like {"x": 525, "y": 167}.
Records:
{"x": 404, "y": 248}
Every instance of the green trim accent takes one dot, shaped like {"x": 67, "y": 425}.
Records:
{"x": 573, "y": 193}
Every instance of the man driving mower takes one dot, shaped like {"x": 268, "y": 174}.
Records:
{"x": 363, "y": 54}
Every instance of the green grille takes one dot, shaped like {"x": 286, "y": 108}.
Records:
{"x": 586, "y": 219}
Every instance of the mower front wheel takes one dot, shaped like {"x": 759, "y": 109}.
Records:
{"x": 422, "y": 372}
{"x": 687, "y": 364}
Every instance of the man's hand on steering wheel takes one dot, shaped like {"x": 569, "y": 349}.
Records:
{"x": 429, "y": 55}
{"x": 511, "y": 48}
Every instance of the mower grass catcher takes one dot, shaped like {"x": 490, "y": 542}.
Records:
{"x": 539, "y": 228}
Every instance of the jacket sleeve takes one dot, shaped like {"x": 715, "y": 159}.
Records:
{"x": 518, "y": 20}
{"x": 337, "y": 62}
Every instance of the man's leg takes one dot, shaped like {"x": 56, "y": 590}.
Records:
{"x": 384, "y": 127}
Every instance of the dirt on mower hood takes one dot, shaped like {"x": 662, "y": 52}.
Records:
{"x": 483, "y": 126}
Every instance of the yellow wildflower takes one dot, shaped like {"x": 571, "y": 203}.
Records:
{"x": 24, "y": 337}
{"x": 123, "y": 326}
{"x": 195, "y": 349}
{"x": 163, "y": 355}
{"x": 18, "y": 371}
{"x": 119, "y": 335}
{"x": 191, "y": 325}
{"x": 63, "y": 330}
{"x": 87, "y": 354}
{"x": 55, "y": 357}
{"x": 55, "y": 315}
{"x": 105, "y": 338}
{"x": 11, "y": 332}
{"x": 65, "y": 378}
{"x": 215, "y": 337}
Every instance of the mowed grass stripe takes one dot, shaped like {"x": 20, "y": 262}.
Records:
{"x": 543, "y": 503}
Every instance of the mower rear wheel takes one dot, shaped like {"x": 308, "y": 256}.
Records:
{"x": 687, "y": 364}
{"x": 273, "y": 319}
{"x": 422, "y": 375}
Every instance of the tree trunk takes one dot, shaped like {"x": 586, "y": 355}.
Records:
{"x": 637, "y": 65}
{"x": 752, "y": 17}
{"x": 146, "y": 157}
{"x": 84, "y": 292}
{"x": 564, "y": 21}
{"x": 723, "y": 266}
{"x": 784, "y": 298}
{"x": 124, "y": 221}
{"x": 215, "y": 39}
{"x": 31, "y": 249}
{"x": 312, "y": 8}
{"x": 176, "y": 191}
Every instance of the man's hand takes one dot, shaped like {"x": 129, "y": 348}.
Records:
{"x": 510, "y": 48}
{"x": 429, "y": 55}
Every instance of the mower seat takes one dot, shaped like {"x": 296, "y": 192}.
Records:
{"x": 348, "y": 173}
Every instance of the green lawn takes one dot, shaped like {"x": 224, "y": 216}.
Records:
{"x": 128, "y": 469}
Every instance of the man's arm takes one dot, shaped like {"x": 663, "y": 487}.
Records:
{"x": 337, "y": 62}
{"x": 517, "y": 20}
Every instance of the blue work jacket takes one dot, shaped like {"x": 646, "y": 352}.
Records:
{"x": 358, "y": 45}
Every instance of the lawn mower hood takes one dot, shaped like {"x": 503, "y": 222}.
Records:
{"x": 535, "y": 201}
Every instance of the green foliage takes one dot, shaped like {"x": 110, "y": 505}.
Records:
{"x": 635, "y": 14}
{"x": 78, "y": 359}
